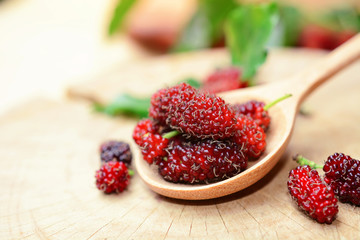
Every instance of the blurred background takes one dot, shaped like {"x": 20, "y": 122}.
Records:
{"x": 45, "y": 45}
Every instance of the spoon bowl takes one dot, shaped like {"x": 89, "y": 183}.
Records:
{"x": 278, "y": 136}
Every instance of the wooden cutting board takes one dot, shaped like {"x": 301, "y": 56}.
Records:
{"x": 50, "y": 153}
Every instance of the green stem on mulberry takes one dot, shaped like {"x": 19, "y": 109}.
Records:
{"x": 303, "y": 161}
{"x": 269, "y": 105}
{"x": 171, "y": 134}
{"x": 131, "y": 172}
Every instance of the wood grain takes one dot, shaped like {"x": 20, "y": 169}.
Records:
{"x": 50, "y": 154}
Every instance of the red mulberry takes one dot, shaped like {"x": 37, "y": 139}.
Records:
{"x": 143, "y": 127}
{"x": 312, "y": 195}
{"x": 112, "y": 177}
{"x": 198, "y": 114}
{"x": 223, "y": 80}
{"x": 255, "y": 111}
{"x": 202, "y": 161}
{"x": 250, "y": 137}
{"x": 153, "y": 147}
{"x": 342, "y": 173}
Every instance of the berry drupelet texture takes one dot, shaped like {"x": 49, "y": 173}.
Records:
{"x": 164, "y": 99}
{"x": 255, "y": 111}
{"x": 189, "y": 111}
{"x": 342, "y": 173}
{"x": 116, "y": 151}
{"x": 112, "y": 177}
{"x": 153, "y": 147}
{"x": 250, "y": 137}
{"x": 202, "y": 161}
{"x": 201, "y": 115}
{"x": 223, "y": 80}
{"x": 143, "y": 127}
{"x": 312, "y": 195}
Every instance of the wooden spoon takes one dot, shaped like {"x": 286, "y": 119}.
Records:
{"x": 282, "y": 122}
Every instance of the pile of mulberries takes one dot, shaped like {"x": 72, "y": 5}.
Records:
{"x": 318, "y": 196}
{"x": 196, "y": 137}
{"x": 114, "y": 173}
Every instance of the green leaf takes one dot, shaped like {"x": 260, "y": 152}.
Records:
{"x": 195, "y": 35}
{"x": 131, "y": 172}
{"x": 127, "y": 105}
{"x": 291, "y": 24}
{"x": 342, "y": 19}
{"x": 248, "y": 30}
{"x": 206, "y": 26}
{"x": 122, "y": 8}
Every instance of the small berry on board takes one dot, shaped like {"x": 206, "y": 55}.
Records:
{"x": 312, "y": 195}
{"x": 342, "y": 173}
{"x": 250, "y": 136}
{"x": 112, "y": 177}
{"x": 223, "y": 80}
{"x": 116, "y": 151}
{"x": 202, "y": 161}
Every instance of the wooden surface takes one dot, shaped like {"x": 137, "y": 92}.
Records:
{"x": 50, "y": 153}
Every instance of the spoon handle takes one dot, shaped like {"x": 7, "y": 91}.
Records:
{"x": 334, "y": 62}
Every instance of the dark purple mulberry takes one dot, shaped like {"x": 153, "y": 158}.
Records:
{"x": 116, "y": 151}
